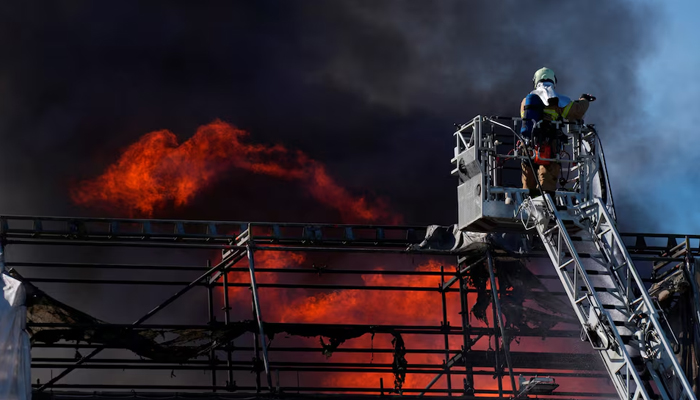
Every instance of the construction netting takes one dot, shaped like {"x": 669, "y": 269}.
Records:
{"x": 15, "y": 357}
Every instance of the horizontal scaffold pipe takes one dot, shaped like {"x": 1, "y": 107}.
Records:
{"x": 294, "y": 389}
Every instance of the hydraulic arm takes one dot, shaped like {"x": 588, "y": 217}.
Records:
{"x": 576, "y": 225}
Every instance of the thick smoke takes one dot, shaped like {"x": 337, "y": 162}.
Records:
{"x": 371, "y": 88}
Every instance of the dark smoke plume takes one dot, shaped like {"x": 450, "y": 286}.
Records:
{"x": 370, "y": 88}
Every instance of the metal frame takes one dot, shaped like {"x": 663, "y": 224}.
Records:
{"x": 474, "y": 135}
{"x": 270, "y": 237}
{"x": 637, "y": 316}
{"x": 461, "y": 359}
{"x": 609, "y": 297}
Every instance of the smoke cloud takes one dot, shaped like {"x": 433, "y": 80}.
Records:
{"x": 368, "y": 88}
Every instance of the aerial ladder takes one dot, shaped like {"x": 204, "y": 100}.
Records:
{"x": 577, "y": 228}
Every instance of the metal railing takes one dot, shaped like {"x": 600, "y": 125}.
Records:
{"x": 495, "y": 143}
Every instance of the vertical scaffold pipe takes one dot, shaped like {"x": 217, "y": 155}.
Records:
{"x": 227, "y": 321}
{"x": 445, "y": 326}
{"x": 496, "y": 304}
{"x": 210, "y": 309}
{"x": 258, "y": 315}
{"x": 466, "y": 331}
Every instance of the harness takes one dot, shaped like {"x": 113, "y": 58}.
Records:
{"x": 545, "y": 138}
{"x": 545, "y": 134}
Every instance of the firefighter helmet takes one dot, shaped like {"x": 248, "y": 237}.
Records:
{"x": 544, "y": 74}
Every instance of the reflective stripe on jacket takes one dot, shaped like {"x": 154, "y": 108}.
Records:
{"x": 533, "y": 109}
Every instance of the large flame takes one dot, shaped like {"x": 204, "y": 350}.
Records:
{"x": 367, "y": 307}
{"x": 363, "y": 307}
{"x": 157, "y": 171}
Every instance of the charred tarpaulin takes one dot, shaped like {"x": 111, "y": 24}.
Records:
{"x": 184, "y": 344}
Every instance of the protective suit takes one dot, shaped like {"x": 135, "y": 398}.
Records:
{"x": 545, "y": 104}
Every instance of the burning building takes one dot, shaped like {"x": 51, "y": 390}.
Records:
{"x": 131, "y": 302}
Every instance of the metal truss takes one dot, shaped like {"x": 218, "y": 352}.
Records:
{"x": 618, "y": 316}
{"x": 239, "y": 243}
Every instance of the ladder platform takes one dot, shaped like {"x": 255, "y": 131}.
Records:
{"x": 577, "y": 228}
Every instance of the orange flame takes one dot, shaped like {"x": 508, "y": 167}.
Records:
{"x": 156, "y": 171}
{"x": 368, "y": 307}
{"x": 372, "y": 307}
{"x": 365, "y": 307}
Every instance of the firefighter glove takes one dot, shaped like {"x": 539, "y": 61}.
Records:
{"x": 588, "y": 97}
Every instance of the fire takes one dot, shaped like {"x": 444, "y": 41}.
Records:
{"x": 385, "y": 308}
{"x": 365, "y": 307}
{"x": 157, "y": 171}
{"x": 373, "y": 307}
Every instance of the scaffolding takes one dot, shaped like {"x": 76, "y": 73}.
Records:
{"x": 473, "y": 359}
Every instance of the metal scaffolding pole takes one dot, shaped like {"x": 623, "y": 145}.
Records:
{"x": 258, "y": 315}
{"x": 227, "y": 321}
{"x": 467, "y": 342}
{"x": 530, "y": 363}
{"x": 497, "y": 350}
{"x": 210, "y": 309}
{"x": 498, "y": 315}
{"x": 445, "y": 325}
{"x": 300, "y": 357}
{"x": 256, "y": 348}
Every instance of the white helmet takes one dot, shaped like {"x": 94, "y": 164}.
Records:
{"x": 543, "y": 74}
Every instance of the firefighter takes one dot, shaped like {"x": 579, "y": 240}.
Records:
{"x": 537, "y": 109}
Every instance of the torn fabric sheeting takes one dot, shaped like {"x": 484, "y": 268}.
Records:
{"x": 15, "y": 356}
{"x": 186, "y": 344}
{"x": 527, "y": 312}
{"x": 451, "y": 239}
